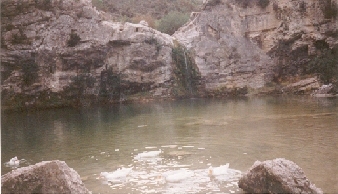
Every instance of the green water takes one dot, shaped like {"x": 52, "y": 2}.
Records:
{"x": 192, "y": 135}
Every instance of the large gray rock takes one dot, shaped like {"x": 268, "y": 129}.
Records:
{"x": 44, "y": 177}
{"x": 276, "y": 176}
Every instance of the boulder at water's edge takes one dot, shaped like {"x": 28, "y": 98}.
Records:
{"x": 276, "y": 176}
{"x": 44, "y": 177}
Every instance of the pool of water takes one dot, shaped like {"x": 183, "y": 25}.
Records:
{"x": 159, "y": 141}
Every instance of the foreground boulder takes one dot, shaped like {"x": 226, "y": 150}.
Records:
{"x": 276, "y": 176}
{"x": 44, "y": 177}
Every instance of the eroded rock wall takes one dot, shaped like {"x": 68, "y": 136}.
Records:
{"x": 252, "y": 44}
{"x": 64, "y": 52}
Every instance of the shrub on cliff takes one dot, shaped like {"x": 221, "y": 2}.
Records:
{"x": 172, "y": 22}
{"x": 263, "y": 3}
{"x": 74, "y": 39}
{"x": 147, "y": 17}
{"x": 326, "y": 66}
{"x": 250, "y": 3}
{"x": 99, "y": 4}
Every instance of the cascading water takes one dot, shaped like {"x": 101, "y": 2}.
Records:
{"x": 188, "y": 74}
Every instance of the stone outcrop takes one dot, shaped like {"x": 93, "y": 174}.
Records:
{"x": 44, "y": 177}
{"x": 65, "y": 52}
{"x": 305, "y": 86}
{"x": 276, "y": 176}
{"x": 249, "y": 44}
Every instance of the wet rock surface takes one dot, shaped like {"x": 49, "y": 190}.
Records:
{"x": 276, "y": 176}
{"x": 44, "y": 177}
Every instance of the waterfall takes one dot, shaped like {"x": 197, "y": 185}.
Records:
{"x": 188, "y": 73}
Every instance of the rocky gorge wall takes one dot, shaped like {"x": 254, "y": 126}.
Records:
{"x": 66, "y": 53}
{"x": 254, "y": 44}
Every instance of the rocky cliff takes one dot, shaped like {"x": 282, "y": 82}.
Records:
{"x": 259, "y": 43}
{"x": 64, "y": 52}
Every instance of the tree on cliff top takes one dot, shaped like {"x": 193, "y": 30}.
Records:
{"x": 172, "y": 22}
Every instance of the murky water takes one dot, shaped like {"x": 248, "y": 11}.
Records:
{"x": 168, "y": 147}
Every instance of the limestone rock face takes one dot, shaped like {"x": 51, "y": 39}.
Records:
{"x": 64, "y": 52}
{"x": 276, "y": 176}
{"x": 239, "y": 44}
{"x": 44, "y": 177}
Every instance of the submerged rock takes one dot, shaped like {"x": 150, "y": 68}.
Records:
{"x": 44, "y": 177}
{"x": 276, "y": 176}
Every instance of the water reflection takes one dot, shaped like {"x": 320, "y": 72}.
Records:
{"x": 192, "y": 135}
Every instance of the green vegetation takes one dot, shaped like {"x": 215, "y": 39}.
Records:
{"x": 74, "y": 39}
{"x": 98, "y": 4}
{"x": 165, "y": 16}
{"x": 249, "y": 3}
{"x": 20, "y": 38}
{"x": 263, "y": 3}
{"x": 146, "y": 17}
{"x": 172, "y": 21}
{"x": 325, "y": 66}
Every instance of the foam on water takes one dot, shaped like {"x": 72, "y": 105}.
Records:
{"x": 152, "y": 171}
{"x": 15, "y": 162}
